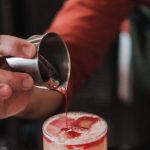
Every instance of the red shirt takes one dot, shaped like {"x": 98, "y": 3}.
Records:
{"x": 89, "y": 27}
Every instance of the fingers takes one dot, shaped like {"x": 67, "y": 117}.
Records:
{"x": 14, "y": 104}
{"x": 15, "y": 88}
{"x": 14, "y": 46}
{"x": 17, "y": 81}
{"x": 15, "y": 91}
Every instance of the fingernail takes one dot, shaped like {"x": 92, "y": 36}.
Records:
{"x": 4, "y": 92}
{"x": 29, "y": 50}
{"x": 27, "y": 83}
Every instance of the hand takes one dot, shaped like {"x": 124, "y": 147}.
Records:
{"x": 18, "y": 96}
{"x": 15, "y": 88}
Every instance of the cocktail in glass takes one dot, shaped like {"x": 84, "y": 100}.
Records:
{"x": 75, "y": 131}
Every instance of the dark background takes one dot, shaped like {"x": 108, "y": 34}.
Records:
{"x": 128, "y": 123}
{"x": 25, "y": 18}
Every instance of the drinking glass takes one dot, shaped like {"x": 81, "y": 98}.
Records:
{"x": 75, "y": 131}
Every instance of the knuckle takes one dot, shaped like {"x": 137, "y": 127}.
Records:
{"x": 8, "y": 77}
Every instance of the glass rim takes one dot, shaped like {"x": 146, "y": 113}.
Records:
{"x": 84, "y": 141}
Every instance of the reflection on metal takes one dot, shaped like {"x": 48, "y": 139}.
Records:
{"x": 50, "y": 68}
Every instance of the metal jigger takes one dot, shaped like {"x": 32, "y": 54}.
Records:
{"x": 50, "y": 68}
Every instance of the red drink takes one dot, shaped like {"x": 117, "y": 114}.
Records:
{"x": 84, "y": 131}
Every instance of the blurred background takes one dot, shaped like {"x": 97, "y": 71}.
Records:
{"x": 119, "y": 90}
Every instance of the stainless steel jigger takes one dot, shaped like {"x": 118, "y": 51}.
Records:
{"x": 50, "y": 68}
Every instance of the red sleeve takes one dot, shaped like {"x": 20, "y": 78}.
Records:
{"x": 89, "y": 27}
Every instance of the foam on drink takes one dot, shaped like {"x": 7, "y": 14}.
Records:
{"x": 84, "y": 131}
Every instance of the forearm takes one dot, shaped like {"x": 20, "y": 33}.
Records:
{"x": 43, "y": 103}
